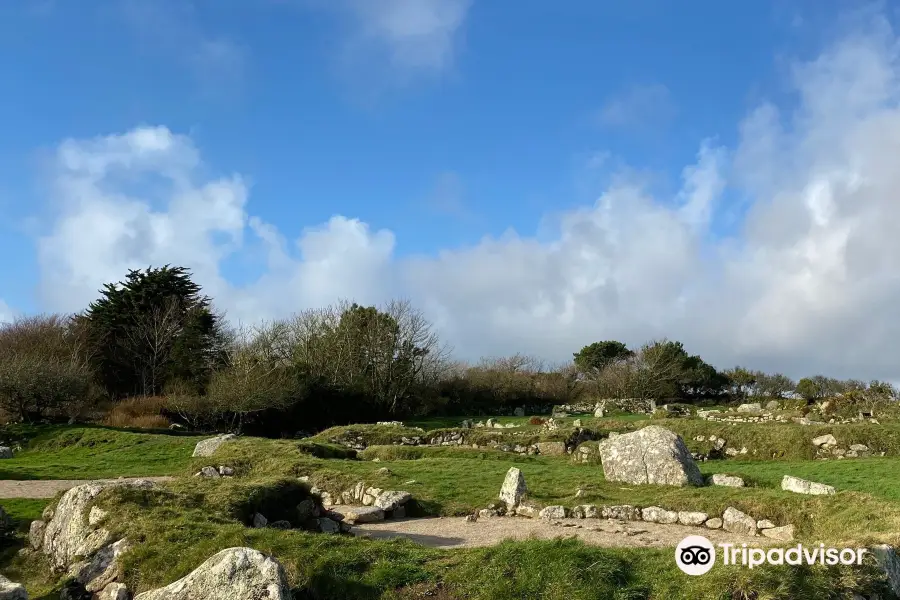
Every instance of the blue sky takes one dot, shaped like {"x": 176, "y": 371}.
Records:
{"x": 443, "y": 124}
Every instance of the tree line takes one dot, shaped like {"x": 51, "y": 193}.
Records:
{"x": 156, "y": 334}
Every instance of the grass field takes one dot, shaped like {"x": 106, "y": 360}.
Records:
{"x": 184, "y": 523}
{"x": 89, "y": 452}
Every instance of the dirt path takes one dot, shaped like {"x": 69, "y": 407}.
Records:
{"x": 50, "y": 487}
{"x": 456, "y": 532}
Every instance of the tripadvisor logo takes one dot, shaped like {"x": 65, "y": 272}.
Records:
{"x": 696, "y": 555}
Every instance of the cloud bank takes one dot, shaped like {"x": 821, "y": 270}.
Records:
{"x": 808, "y": 284}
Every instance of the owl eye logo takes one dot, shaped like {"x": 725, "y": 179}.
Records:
{"x": 695, "y": 555}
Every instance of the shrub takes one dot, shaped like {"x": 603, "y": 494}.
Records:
{"x": 141, "y": 412}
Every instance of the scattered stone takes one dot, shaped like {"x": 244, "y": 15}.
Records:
{"x": 650, "y": 455}
{"x": 622, "y": 512}
{"x": 12, "y": 591}
{"x": 211, "y": 472}
{"x": 824, "y": 440}
{"x": 208, "y": 447}
{"x": 782, "y": 534}
{"x": 226, "y": 471}
{"x": 692, "y": 518}
{"x": 859, "y": 447}
{"x": 655, "y": 514}
{"x": 576, "y": 423}
{"x": 764, "y": 524}
{"x": 734, "y": 521}
{"x": 327, "y": 525}
{"x": 513, "y": 489}
{"x": 551, "y": 448}
{"x": 750, "y": 407}
{"x": 114, "y": 591}
{"x": 73, "y": 590}
{"x": 553, "y": 512}
{"x": 471, "y": 518}
{"x": 714, "y": 523}
{"x": 6, "y": 452}
{"x": 487, "y": 513}
{"x": 36, "y": 534}
{"x": 280, "y": 524}
{"x": 259, "y": 521}
{"x": 527, "y": 511}
{"x": 726, "y": 480}
{"x": 232, "y": 574}
{"x": 802, "y": 486}
{"x": 579, "y": 493}
{"x": 773, "y": 405}
{"x": 390, "y": 500}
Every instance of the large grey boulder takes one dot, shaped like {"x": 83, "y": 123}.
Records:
{"x": 12, "y": 591}
{"x": 208, "y": 447}
{"x": 6, "y": 452}
{"x": 513, "y": 488}
{"x": 802, "y": 486}
{"x": 232, "y": 574}
{"x": 71, "y": 533}
{"x": 650, "y": 455}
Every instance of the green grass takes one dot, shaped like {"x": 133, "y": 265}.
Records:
{"x": 879, "y": 477}
{"x": 180, "y": 528}
{"x": 88, "y": 452}
{"x": 23, "y": 510}
{"x": 181, "y": 525}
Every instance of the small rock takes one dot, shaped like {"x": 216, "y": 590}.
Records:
{"x": 6, "y": 452}
{"x": 714, "y": 523}
{"x": 114, "y": 591}
{"x": 527, "y": 511}
{"x": 553, "y": 512}
{"x": 281, "y": 524}
{"x": 655, "y": 514}
{"x": 364, "y": 514}
{"x": 782, "y": 534}
{"x": 259, "y": 521}
{"x": 623, "y": 512}
{"x": 36, "y": 534}
{"x": 383, "y": 471}
{"x": 487, "y": 513}
{"x": 211, "y": 472}
{"x": 576, "y": 423}
{"x": 328, "y": 526}
{"x": 226, "y": 471}
{"x": 859, "y": 447}
{"x": 734, "y": 521}
{"x": 692, "y": 518}
{"x": 726, "y": 480}
{"x": 12, "y": 591}
{"x": 824, "y": 440}
{"x": 471, "y": 518}
{"x": 390, "y": 500}
{"x": 802, "y": 486}
{"x": 208, "y": 447}
{"x": 750, "y": 407}
{"x": 765, "y": 524}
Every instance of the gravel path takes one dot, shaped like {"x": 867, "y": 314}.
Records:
{"x": 48, "y": 488}
{"x": 455, "y": 532}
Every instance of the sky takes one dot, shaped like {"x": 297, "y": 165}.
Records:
{"x": 533, "y": 176}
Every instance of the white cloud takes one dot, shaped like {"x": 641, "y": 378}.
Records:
{"x": 810, "y": 284}
{"x": 638, "y": 105}
{"x": 392, "y": 42}
{"x": 6, "y": 313}
{"x": 172, "y": 28}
